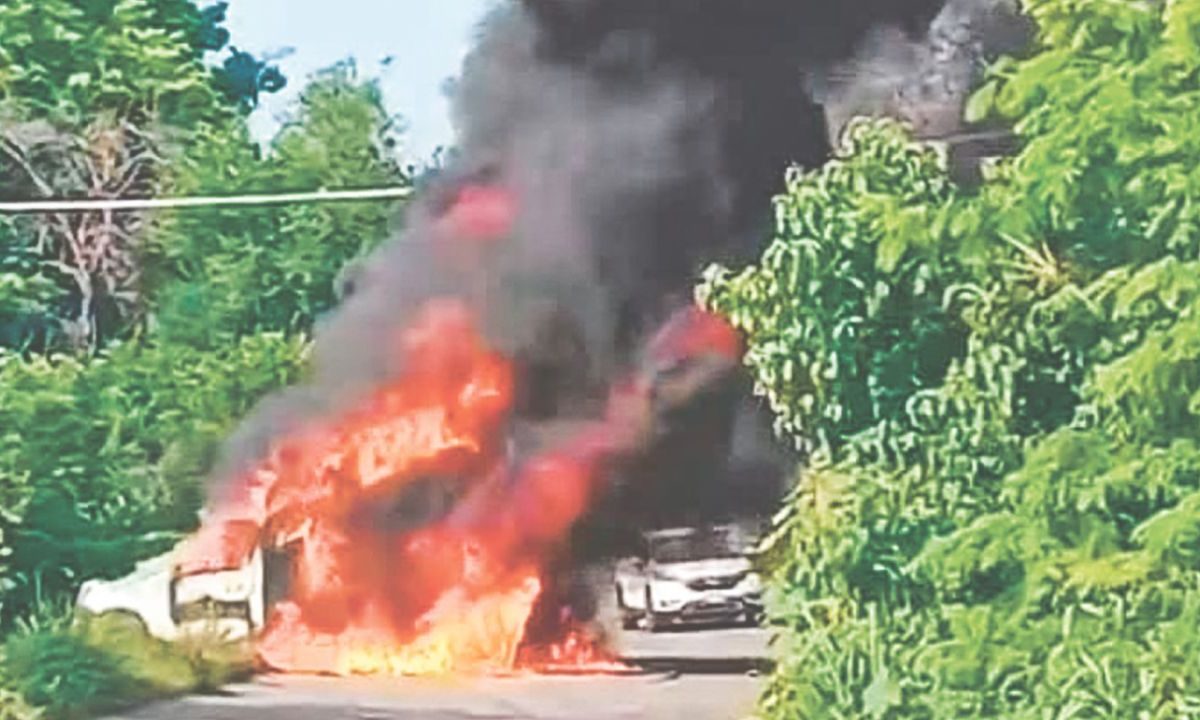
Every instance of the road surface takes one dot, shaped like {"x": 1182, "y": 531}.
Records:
{"x": 697, "y": 675}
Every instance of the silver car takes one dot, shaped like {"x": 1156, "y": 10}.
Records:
{"x": 690, "y": 575}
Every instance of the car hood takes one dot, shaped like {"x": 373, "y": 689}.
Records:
{"x": 147, "y": 580}
{"x": 698, "y": 569}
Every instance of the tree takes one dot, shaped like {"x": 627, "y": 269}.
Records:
{"x": 93, "y": 255}
{"x": 1005, "y": 527}
{"x": 93, "y": 95}
{"x": 74, "y": 58}
{"x": 225, "y": 274}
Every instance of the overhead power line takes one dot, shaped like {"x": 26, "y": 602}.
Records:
{"x": 115, "y": 204}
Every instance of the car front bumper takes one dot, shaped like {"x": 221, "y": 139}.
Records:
{"x": 710, "y": 610}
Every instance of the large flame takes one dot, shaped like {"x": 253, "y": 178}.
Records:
{"x": 426, "y": 595}
{"x": 418, "y": 545}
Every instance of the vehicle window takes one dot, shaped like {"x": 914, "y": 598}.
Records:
{"x": 710, "y": 545}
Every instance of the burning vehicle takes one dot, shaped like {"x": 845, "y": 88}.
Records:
{"x": 690, "y": 575}
{"x": 226, "y": 597}
{"x": 404, "y": 536}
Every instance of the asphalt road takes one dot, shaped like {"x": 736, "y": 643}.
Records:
{"x": 693, "y": 675}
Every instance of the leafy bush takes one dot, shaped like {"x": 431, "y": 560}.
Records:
{"x": 867, "y": 329}
{"x": 1006, "y": 525}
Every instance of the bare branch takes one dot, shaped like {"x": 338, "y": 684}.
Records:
{"x": 17, "y": 154}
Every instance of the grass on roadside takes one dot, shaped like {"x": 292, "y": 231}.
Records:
{"x": 66, "y": 668}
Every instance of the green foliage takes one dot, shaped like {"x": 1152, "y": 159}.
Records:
{"x": 1013, "y": 535}
{"x": 69, "y": 59}
{"x": 847, "y": 319}
{"x": 27, "y": 300}
{"x": 98, "y": 98}
{"x": 61, "y": 672}
{"x": 72, "y": 669}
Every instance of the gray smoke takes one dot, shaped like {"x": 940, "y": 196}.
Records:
{"x": 641, "y": 139}
{"x": 924, "y": 81}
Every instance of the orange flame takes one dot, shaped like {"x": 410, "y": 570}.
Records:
{"x": 452, "y": 596}
{"x": 382, "y": 586}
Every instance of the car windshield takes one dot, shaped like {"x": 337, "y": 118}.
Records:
{"x": 698, "y": 545}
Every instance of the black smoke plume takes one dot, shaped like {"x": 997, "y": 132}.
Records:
{"x": 639, "y": 141}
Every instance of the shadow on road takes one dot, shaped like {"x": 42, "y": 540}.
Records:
{"x": 703, "y": 666}
{"x": 218, "y": 693}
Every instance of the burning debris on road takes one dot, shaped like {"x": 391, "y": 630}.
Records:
{"x": 609, "y": 149}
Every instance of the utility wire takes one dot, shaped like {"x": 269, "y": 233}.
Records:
{"x": 99, "y": 205}
{"x": 31, "y": 207}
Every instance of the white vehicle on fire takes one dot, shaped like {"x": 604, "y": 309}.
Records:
{"x": 690, "y": 575}
{"x": 225, "y": 582}
{"x": 170, "y": 599}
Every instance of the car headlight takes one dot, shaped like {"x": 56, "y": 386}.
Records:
{"x": 668, "y": 586}
{"x": 672, "y": 586}
{"x": 668, "y": 595}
